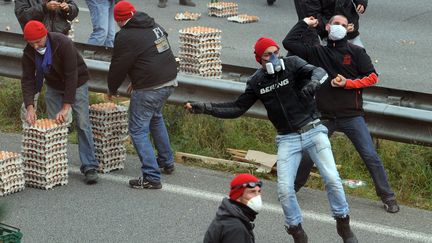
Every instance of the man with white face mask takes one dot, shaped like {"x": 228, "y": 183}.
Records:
{"x": 233, "y": 222}
{"x": 340, "y": 98}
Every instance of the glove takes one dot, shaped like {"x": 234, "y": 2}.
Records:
{"x": 309, "y": 89}
{"x": 197, "y": 107}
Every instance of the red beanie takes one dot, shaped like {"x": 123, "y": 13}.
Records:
{"x": 261, "y": 45}
{"x": 34, "y": 30}
{"x": 123, "y": 11}
{"x": 239, "y": 180}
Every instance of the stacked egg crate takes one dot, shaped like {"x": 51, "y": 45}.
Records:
{"x": 11, "y": 173}
{"x": 200, "y": 51}
{"x": 44, "y": 151}
{"x": 222, "y": 9}
{"x": 109, "y": 124}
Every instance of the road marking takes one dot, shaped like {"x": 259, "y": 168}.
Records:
{"x": 275, "y": 208}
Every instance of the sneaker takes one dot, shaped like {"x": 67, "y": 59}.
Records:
{"x": 91, "y": 176}
{"x": 391, "y": 206}
{"x": 142, "y": 183}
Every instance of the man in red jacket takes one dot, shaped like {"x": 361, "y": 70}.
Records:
{"x": 53, "y": 57}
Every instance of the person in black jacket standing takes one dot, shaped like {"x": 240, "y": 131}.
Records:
{"x": 340, "y": 98}
{"x": 233, "y": 221}
{"x": 56, "y": 15}
{"x": 323, "y": 10}
{"x": 286, "y": 87}
{"x": 142, "y": 51}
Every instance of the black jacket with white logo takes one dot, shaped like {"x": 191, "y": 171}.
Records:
{"x": 280, "y": 94}
{"x": 142, "y": 51}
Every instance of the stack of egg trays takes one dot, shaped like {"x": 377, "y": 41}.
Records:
{"x": 200, "y": 52}
{"x": 11, "y": 173}
{"x": 110, "y": 130}
{"x": 44, "y": 153}
{"x": 222, "y": 9}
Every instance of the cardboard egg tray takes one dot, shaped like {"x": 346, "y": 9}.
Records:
{"x": 207, "y": 74}
{"x": 187, "y": 16}
{"x": 46, "y": 160}
{"x": 243, "y": 18}
{"x": 200, "y": 32}
{"x": 46, "y": 169}
{"x": 222, "y": 9}
{"x": 11, "y": 173}
{"x": 12, "y": 187}
{"x": 202, "y": 46}
{"x": 192, "y": 61}
{"x": 110, "y": 130}
{"x": 44, "y": 183}
{"x": 191, "y": 39}
{"x": 114, "y": 165}
{"x": 44, "y": 151}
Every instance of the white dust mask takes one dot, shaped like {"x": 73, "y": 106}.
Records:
{"x": 337, "y": 32}
{"x": 255, "y": 203}
{"x": 41, "y": 50}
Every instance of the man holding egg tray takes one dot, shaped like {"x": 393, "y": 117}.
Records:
{"x": 53, "y": 57}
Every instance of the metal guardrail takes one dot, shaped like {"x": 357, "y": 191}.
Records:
{"x": 398, "y": 115}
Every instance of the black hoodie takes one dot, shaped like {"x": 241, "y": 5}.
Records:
{"x": 142, "y": 51}
{"x": 233, "y": 224}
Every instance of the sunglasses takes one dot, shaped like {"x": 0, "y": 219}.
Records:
{"x": 249, "y": 185}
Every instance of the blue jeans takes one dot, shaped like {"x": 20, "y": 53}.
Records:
{"x": 316, "y": 143}
{"x": 102, "y": 18}
{"x": 356, "y": 130}
{"x": 145, "y": 117}
{"x": 80, "y": 108}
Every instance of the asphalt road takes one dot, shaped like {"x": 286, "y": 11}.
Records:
{"x": 110, "y": 211}
{"x": 396, "y": 33}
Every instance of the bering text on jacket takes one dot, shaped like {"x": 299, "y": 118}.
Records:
{"x": 274, "y": 86}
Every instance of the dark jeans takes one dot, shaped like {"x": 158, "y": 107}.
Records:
{"x": 356, "y": 130}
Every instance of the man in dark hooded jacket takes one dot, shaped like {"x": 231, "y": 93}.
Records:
{"x": 233, "y": 221}
{"x": 142, "y": 52}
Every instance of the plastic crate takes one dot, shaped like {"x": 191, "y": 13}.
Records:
{"x": 9, "y": 234}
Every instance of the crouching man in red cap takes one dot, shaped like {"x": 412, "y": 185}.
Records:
{"x": 233, "y": 221}
{"x": 53, "y": 57}
{"x": 286, "y": 87}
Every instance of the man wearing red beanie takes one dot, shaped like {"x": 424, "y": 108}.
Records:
{"x": 233, "y": 221}
{"x": 142, "y": 52}
{"x": 287, "y": 87}
{"x": 53, "y": 57}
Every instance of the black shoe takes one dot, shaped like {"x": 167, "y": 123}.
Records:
{"x": 162, "y": 3}
{"x": 142, "y": 183}
{"x": 391, "y": 206}
{"x": 297, "y": 232}
{"x": 270, "y": 2}
{"x": 187, "y": 3}
{"x": 168, "y": 169}
{"x": 344, "y": 230}
{"x": 91, "y": 176}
